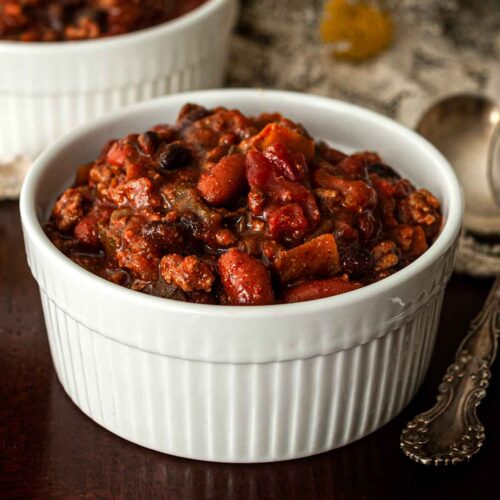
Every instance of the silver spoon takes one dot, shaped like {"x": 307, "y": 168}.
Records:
{"x": 462, "y": 127}
{"x": 494, "y": 165}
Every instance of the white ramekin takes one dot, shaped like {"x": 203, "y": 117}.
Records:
{"x": 48, "y": 88}
{"x": 242, "y": 384}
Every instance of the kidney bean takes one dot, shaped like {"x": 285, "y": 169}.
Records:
{"x": 224, "y": 181}
{"x": 245, "y": 279}
{"x": 259, "y": 170}
{"x": 162, "y": 235}
{"x": 294, "y": 167}
{"x": 87, "y": 231}
{"x": 142, "y": 266}
{"x": 319, "y": 289}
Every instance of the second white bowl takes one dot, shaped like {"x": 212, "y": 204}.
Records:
{"x": 48, "y": 88}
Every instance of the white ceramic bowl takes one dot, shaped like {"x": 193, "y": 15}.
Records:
{"x": 242, "y": 384}
{"x": 48, "y": 88}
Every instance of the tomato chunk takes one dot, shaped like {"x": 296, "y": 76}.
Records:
{"x": 264, "y": 176}
{"x": 357, "y": 195}
{"x": 318, "y": 257}
{"x": 287, "y": 222}
{"x": 292, "y": 166}
{"x": 275, "y": 133}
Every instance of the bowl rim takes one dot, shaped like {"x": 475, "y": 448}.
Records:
{"x": 117, "y": 41}
{"x": 47, "y": 250}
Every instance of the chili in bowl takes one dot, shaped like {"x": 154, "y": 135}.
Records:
{"x": 220, "y": 381}
{"x": 223, "y": 208}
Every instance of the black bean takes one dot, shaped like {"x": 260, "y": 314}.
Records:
{"x": 192, "y": 226}
{"x": 173, "y": 156}
{"x": 356, "y": 261}
{"x": 55, "y": 17}
{"x": 191, "y": 113}
{"x": 149, "y": 142}
{"x": 165, "y": 290}
{"x": 383, "y": 171}
{"x": 98, "y": 16}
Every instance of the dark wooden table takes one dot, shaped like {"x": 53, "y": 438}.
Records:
{"x": 49, "y": 449}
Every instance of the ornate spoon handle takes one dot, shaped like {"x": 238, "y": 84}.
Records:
{"x": 451, "y": 432}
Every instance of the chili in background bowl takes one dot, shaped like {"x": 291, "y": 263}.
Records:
{"x": 47, "y": 88}
{"x": 233, "y": 383}
{"x": 62, "y": 20}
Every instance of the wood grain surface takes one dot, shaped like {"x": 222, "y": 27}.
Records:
{"x": 49, "y": 449}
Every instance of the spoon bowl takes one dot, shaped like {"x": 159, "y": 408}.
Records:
{"x": 462, "y": 127}
{"x": 494, "y": 165}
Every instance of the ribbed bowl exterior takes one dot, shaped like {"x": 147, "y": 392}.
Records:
{"x": 242, "y": 384}
{"x": 44, "y": 93}
{"x": 241, "y": 412}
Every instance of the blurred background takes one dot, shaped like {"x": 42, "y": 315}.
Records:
{"x": 393, "y": 56}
